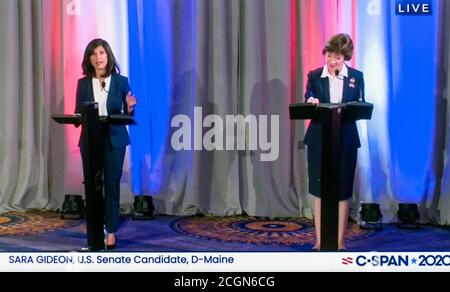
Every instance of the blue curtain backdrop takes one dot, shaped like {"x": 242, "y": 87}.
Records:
{"x": 150, "y": 75}
{"x": 413, "y": 51}
{"x": 398, "y": 54}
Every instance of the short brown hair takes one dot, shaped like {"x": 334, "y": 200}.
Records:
{"x": 88, "y": 69}
{"x": 341, "y": 44}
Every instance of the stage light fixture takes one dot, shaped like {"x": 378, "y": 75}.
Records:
{"x": 370, "y": 216}
{"x": 142, "y": 208}
{"x": 408, "y": 216}
{"x": 73, "y": 207}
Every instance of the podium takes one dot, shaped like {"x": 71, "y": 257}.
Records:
{"x": 331, "y": 116}
{"x": 92, "y": 165}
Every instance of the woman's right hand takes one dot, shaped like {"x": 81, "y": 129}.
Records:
{"x": 131, "y": 102}
{"x": 313, "y": 100}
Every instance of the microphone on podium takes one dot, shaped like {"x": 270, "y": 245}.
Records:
{"x": 360, "y": 98}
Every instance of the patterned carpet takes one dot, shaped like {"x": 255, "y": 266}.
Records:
{"x": 33, "y": 222}
{"x": 45, "y": 231}
{"x": 255, "y": 230}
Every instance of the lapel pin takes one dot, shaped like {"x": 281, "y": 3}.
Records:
{"x": 352, "y": 83}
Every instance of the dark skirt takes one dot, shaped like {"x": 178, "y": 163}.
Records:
{"x": 348, "y": 167}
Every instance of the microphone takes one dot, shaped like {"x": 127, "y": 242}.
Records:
{"x": 104, "y": 86}
{"x": 336, "y": 73}
{"x": 360, "y": 98}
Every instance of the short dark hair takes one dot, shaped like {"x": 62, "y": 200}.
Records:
{"x": 342, "y": 44}
{"x": 88, "y": 69}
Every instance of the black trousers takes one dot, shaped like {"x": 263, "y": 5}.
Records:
{"x": 112, "y": 164}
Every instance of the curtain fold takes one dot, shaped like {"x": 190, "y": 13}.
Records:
{"x": 230, "y": 60}
{"x": 54, "y": 91}
{"x": 441, "y": 197}
{"x": 266, "y": 66}
{"x": 24, "y": 114}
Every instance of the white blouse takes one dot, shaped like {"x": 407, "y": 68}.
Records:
{"x": 101, "y": 94}
{"x": 336, "y": 83}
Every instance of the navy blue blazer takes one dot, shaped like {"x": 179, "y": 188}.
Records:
{"x": 116, "y": 102}
{"x": 320, "y": 88}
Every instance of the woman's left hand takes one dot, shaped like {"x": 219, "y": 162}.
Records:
{"x": 131, "y": 102}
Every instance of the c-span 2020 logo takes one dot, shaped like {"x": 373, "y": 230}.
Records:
{"x": 413, "y": 7}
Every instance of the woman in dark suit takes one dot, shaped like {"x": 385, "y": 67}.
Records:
{"x": 103, "y": 84}
{"x": 334, "y": 83}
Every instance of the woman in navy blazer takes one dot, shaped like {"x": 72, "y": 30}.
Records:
{"x": 103, "y": 84}
{"x": 334, "y": 83}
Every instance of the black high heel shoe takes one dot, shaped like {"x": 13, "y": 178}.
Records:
{"x": 111, "y": 246}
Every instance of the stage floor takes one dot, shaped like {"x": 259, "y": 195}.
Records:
{"x": 45, "y": 231}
